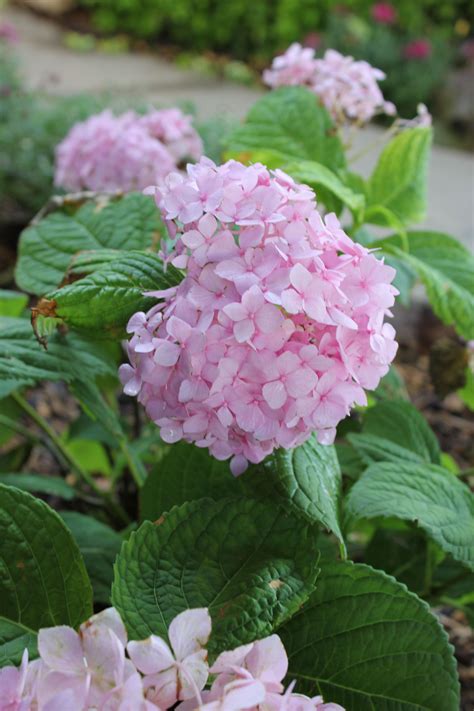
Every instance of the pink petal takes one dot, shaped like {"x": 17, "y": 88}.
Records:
{"x": 300, "y": 278}
{"x": 189, "y": 632}
{"x": 235, "y": 311}
{"x": 301, "y": 382}
{"x": 253, "y": 299}
{"x": 109, "y": 618}
{"x": 61, "y": 649}
{"x": 244, "y": 330}
{"x": 167, "y": 353}
{"x": 151, "y": 655}
{"x": 268, "y": 661}
{"x": 291, "y": 301}
{"x": 234, "y": 658}
{"x": 274, "y": 394}
{"x": 269, "y": 318}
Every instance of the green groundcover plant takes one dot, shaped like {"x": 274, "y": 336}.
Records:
{"x": 238, "y": 354}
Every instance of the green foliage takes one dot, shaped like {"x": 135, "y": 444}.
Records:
{"x": 446, "y": 269}
{"x": 248, "y": 561}
{"x": 39, "y": 484}
{"x": 398, "y": 184}
{"x": 427, "y": 494}
{"x": 44, "y": 580}
{"x": 285, "y": 125}
{"x": 400, "y": 423}
{"x": 47, "y": 248}
{"x": 99, "y": 545}
{"x": 305, "y": 481}
{"x": 12, "y": 303}
{"x": 365, "y": 642}
{"x": 23, "y": 361}
{"x": 104, "y": 300}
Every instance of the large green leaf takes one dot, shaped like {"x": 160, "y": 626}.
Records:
{"x": 398, "y": 183}
{"x": 290, "y": 122}
{"x": 446, "y": 269}
{"x": 23, "y": 361}
{"x": 100, "y": 545}
{"x": 107, "y": 222}
{"x": 424, "y": 493}
{"x": 249, "y": 562}
{"x": 308, "y": 478}
{"x": 104, "y": 300}
{"x": 43, "y": 579}
{"x": 305, "y": 481}
{"x": 401, "y": 423}
{"x": 365, "y": 642}
{"x": 14, "y": 638}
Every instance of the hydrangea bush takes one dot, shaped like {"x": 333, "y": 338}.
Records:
{"x": 246, "y": 303}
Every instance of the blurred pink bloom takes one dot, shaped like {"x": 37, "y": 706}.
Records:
{"x": 384, "y": 13}
{"x": 348, "y": 89}
{"x": 124, "y": 153}
{"x": 9, "y": 33}
{"x": 277, "y": 326}
{"x": 418, "y": 49}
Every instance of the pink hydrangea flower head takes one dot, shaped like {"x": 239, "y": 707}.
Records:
{"x": 179, "y": 672}
{"x": 176, "y": 131}
{"x": 348, "y": 89}
{"x": 9, "y": 33}
{"x": 418, "y": 49}
{"x": 277, "y": 326}
{"x": 294, "y": 67}
{"x": 123, "y": 153}
{"x": 384, "y": 13}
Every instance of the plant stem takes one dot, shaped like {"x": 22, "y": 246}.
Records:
{"x": 132, "y": 465}
{"x": 66, "y": 457}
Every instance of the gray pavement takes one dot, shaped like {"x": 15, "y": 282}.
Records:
{"x": 50, "y": 66}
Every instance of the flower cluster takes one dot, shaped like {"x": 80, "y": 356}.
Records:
{"x": 277, "y": 326}
{"x": 347, "y": 88}
{"x": 126, "y": 152}
{"x": 96, "y": 669}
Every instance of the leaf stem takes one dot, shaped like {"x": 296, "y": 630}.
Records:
{"x": 66, "y": 457}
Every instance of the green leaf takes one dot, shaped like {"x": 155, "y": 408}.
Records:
{"x": 186, "y": 473}
{"x": 398, "y": 182}
{"x": 467, "y": 392}
{"x": 401, "y": 423}
{"x": 104, "y": 300}
{"x": 305, "y": 481}
{"x": 291, "y": 123}
{"x": 308, "y": 480}
{"x": 365, "y": 642}
{"x": 446, "y": 269}
{"x": 106, "y": 222}
{"x": 317, "y": 175}
{"x": 14, "y": 638}
{"x": 372, "y": 448}
{"x": 12, "y": 303}
{"x": 43, "y": 579}
{"x": 99, "y": 545}
{"x": 402, "y": 554}
{"x": 39, "y": 484}
{"x": 430, "y": 496}
{"x": 23, "y": 361}
{"x": 250, "y": 563}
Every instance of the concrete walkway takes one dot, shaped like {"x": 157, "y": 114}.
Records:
{"x": 48, "y": 65}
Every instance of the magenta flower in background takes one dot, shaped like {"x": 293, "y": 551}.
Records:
{"x": 123, "y": 153}
{"x": 277, "y": 327}
{"x": 384, "y": 13}
{"x": 418, "y": 49}
{"x": 9, "y": 33}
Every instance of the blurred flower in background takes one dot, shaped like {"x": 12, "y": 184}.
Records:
{"x": 384, "y": 13}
